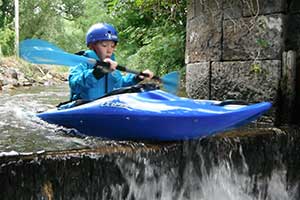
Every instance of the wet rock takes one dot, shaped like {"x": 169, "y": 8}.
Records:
{"x": 13, "y": 77}
{"x": 48, "y": 76}
{"x": 27, "y": 83}
{"x": 49, "y": 83}
{"x": 10, "y": 78}
{"x": 12, "y": 73}
{"x": 8, "y": 87}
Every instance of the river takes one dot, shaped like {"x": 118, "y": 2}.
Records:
{"x": 21, "y": 131}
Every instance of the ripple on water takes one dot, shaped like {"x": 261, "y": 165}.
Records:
{"x": 21, "y": 130}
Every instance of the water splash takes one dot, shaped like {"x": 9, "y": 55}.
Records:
{"x": 22, "y": 131}
{"x": 196, "y": 179}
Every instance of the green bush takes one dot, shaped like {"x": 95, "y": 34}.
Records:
{"x": 7, "y": 41}
{"x": 154, "y": 40}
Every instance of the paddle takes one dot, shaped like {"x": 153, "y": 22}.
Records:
{"x": 42, "y": 52}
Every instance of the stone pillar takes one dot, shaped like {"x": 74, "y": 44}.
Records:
{"x": 288, "y": 85}
{"x": 203, "y": 45}
{"x": 293, "y": 43}
{"x": 234, "y": 49}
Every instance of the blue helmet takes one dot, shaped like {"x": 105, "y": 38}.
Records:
{"x": 101, "y": 32}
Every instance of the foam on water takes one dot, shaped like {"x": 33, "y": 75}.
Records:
{"x": 148, "y": 181}
{"x": 22, "y": 131}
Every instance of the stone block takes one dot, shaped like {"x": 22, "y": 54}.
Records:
{"x": 190, "y": 10}
{"x": 208, "y": 7}
{"x": 203, "y": 41}
{"x": 197, "y": 79}
{"x": 253, "y": 38}
{"x": 263, "y": 7}
{"x": 248, "y": 80}
{"x": 232, "y": 9}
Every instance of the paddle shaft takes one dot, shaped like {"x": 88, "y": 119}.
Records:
{"x": 125, "y": 69}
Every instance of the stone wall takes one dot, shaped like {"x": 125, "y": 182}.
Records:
{"x": 234, "y": 48}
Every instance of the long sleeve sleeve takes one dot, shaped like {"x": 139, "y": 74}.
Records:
{"x": 82, "y": 76}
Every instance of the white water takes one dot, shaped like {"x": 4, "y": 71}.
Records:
{"x": 221, "y": 182}
{"x": 22, "y": 131}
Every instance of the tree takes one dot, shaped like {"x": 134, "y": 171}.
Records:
{"x": 6, "y": 12}
{"x": 152, "y": 33}
{"x": 6, "y": 27}
{"x": 47, "y": 19}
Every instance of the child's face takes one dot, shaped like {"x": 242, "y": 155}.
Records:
{"x": 104, "y": 49}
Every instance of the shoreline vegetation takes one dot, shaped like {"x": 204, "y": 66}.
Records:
{"x": 14, "y": 73}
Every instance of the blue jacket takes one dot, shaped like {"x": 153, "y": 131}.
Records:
{"x": 84, "y": 85}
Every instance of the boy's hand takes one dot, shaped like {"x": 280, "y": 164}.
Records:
{"x": 147, "y": 71}
{"x": 113, "y": 64}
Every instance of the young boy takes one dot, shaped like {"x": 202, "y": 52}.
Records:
{"x": 89, "y": 82}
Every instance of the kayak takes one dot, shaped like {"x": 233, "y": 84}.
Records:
{"x": 153, "y": 115}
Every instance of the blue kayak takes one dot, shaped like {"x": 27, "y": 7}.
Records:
{"x": 153, "y": 115}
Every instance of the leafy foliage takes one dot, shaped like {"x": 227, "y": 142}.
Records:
{"x": 49, "y": 20}
{"x": 6, "y": 27}
{"x": 152, "y": 33}
{"x": 6, "y": 12}
{"x": 7, "y": 41}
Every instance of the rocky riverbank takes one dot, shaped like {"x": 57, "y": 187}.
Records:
{"x": 15, "y": 73}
